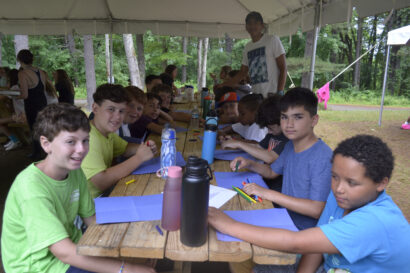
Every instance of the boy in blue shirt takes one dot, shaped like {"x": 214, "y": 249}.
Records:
{"x": 360, "y": 230}
{"x": 39, "y": 234}
{"x": 304, "y": 162}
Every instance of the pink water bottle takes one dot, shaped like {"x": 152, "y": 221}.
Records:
{"x": 171, "y": 204}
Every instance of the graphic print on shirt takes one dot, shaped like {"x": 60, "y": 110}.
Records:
{"x": 258, "y": 70}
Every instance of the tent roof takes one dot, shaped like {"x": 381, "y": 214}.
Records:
{"x": 400, "y": 36}
{"x": 209, "y": 18}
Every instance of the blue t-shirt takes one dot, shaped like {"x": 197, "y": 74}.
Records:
{"x": 374, "y": 238}
{"x": 305, "y": 175}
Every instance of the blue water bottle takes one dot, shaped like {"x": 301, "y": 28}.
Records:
{"x": 168, "y": 150}
{"x": 209, "y": 143}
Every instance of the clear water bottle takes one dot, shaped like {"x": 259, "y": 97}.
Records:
{"x": 195, "y": 118}
{"x": 171, "y": 204}
{"x": 168, "y": 150}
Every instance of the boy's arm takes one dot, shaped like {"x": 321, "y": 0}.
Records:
{"x": 311, "y": 240}
{"x": 155, "y": 128}
{"x": 180, "y": 116}
{"x": 253, "y": 149}
{"x": 165, "y": 116}
{"x": 105, "y": 179}
{"x": 281, "y": 63}
{"x": 65, "y": 251}
{"x": 262, "y": 169}
{"x": 309, "y": 263}
{"x": 89, "y": 220}
{"x": 302, "y": 206}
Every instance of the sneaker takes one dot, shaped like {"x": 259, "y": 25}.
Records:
{"x": 405, "y": 126}
{"x": 8, "y": 144}
{"x": 13, "y": 146}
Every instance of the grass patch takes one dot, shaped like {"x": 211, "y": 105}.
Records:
{"x": 370, "y": 116}
{"x": 367, "y": 97}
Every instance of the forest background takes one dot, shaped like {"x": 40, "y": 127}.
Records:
{"x": 338, "y": 45}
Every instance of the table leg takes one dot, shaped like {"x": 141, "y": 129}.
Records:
{"x": 182, "y": 267}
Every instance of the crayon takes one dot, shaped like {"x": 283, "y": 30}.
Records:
{"x": 244, "y": 195}
{"x": 159, "y": 230}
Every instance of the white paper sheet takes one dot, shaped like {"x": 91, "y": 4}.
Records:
{"x": 218, "y": 196}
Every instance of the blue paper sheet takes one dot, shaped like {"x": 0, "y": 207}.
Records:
{"x": 153, "y": 165}
{"x": 229, "y": 179}
{"x": 128, "y": 209}
{"x": 231, "y": 154}
{"x": 183, "y": 111}
{"x": 221, "y": 126}
{"x": 273, "y": 218}
{"x": 180, "y": 129}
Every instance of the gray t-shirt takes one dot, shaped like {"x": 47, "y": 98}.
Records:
{"x": 305, "y": 175}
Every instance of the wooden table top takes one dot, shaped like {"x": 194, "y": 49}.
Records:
{"x": 141, "y": 239}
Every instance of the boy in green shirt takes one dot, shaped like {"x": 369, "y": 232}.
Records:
{"x": 109, "y": 108}
{"x": 39, "y": 234}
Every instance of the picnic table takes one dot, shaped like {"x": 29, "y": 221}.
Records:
{"x": 141, "y": 239}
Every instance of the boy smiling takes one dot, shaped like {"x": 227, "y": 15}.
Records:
{"x": 39, "y": 234}
{"x": 109, "y": 108}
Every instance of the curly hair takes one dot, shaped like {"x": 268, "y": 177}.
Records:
{"x": 269, "y": 112}
{"x": 58, "y": 117}
{"x": 134, "y": 93}
{"x": 299, "y": 96}
{"x": 371, "y": 152}
{"x": 251, "y": 101}
{"x": 113, "y": 92}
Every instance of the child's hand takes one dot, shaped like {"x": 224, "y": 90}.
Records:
{"x": 219, "y": 220}
{"x": 254, "y": 189}
{"x": 153, "y": 146}
{"x": 230, "y": 143}
{"x": 144, "y": 152}
{"x": 240, "y": 163}
{"x": 224, "y": 137}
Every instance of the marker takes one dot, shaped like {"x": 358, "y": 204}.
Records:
{"x": 237, "y": 165}
{"x": 129, "y": 182}
{"x": 243, "y": 194}
{"x": 159, "y": 230}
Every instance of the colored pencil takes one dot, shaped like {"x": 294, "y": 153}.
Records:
{"x": 159, "y": 230}
{"x": 237, "y": 165}
{"x": 243, "y": 194}
{"x": 129, "y": 182}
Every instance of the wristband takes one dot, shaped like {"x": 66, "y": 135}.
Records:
{"x": 122, "y": 267}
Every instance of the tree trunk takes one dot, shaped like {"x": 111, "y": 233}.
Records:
{"x": 185, "y": 51}
{"x": 20, "y": 42}
{"x": 310, "y": 36}
{"x": 164, "y": 50}
{"x": 108, "y": 59}
{"x": 199, "y": 84}
{"x": 1, "y": 46}
{"x": 228, "y": 47}
{"x": 372, "y": 40}
{"x": 204, "y": 61}
{"x": 356, "y": 78}
{"x": 73, "y": 55}
{"x": 132, "y": 60}
{"x": 89, "y": 69}
{"x": 139, "y": 38}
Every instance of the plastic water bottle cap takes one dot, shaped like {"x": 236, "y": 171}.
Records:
{"x": 174, "y": 171}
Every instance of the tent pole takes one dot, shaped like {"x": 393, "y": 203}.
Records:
{"x": 313, "y": 59}
{"x": 384, "y": 84}
{"x": 111, "y": 69}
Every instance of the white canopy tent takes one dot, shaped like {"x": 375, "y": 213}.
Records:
{"x": 198, "y": 18}
{"x": 400, "y": 36}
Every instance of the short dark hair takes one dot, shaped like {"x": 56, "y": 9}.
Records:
{"x": 167, "y": 79}
{"x": 58, "y": 117}
{"x": 25, "y": 56}
{"x": 170, "y": 68}
{"x": 269, "y": 112}
{"x": 371, "y": 152}
{"x": 151, "y": 96}
{"x": 134, "y": 93}
{"x": 254, "y": 15}
{"x": 299, "y": 96}
{"x": 162, "y": 88}
{"x": 251, "y": 101}
{"x": 150, "y": 78}
{"x": 113, "y": 92}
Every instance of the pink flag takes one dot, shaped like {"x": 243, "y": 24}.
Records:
{"x": 323, "y": 94}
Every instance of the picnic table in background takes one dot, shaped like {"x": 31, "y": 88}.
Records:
{"x": 142, "y": 240}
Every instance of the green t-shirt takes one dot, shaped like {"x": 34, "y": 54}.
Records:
{"x": 39, "y": 212}
{"x": 100, "y": 155}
